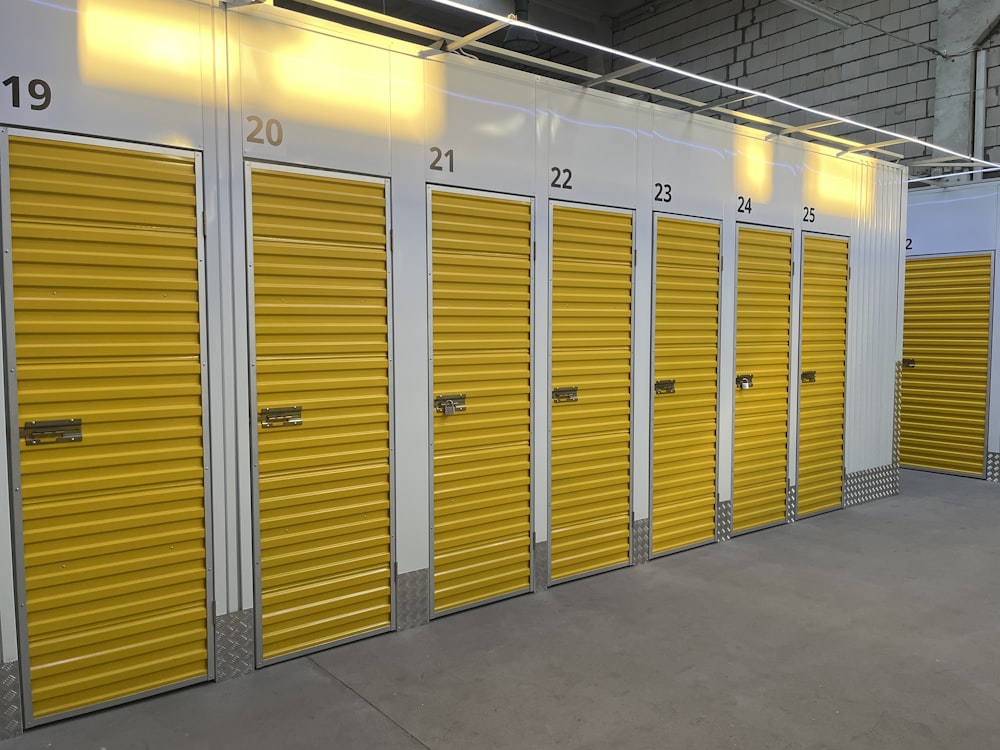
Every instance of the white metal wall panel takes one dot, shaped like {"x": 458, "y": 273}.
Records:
{"x": 874, "y": 332}
{"x": 472, "y": 139}
{"x": 297, "y": 86}
{"x": 105, "y": 64}
{"x": 592, "y": 148}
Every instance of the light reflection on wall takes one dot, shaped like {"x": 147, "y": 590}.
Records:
{"x": 309, "y": 77}
{"x": 151, "y": 47}
{"x": 833, "y": 185}
{"x": 754, "y": 167}
{"x": 157, "y": 48}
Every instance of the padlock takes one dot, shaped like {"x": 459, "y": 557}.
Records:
{"x": 449, "y": 408}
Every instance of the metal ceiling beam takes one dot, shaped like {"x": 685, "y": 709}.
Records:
{"x": 942, "y": 161}
{"x": 873, "y": 146}
{"x": 615, "y": 75}
{"x": 801, "y": 128}
{"x": 474, "y": 36}
{"x": 724, "y": 103}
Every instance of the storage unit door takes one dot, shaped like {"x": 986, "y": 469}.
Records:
{"x": 109, "y": 398}
{"x": 591, "y": 389}
{"x": 823, "y": 376}
{"x": 946, "y": 348}
{"x": 322, "y": 364}
{"x": 481, "y": 256}
{"x": 685, "y": 390}
{"x": 763, "y": 317}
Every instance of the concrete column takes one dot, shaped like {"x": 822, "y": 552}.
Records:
{"x": 961, "y": 24}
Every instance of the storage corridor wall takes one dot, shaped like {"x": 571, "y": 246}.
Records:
{"x": 107, "y": 344}
{"x": 320, "y": 294}
{"x": 763, "y": 328}
{"x": 946, "y": 350}
{"x": 685, "y": 390}
{"x": 481, "y": 293}
{"x": 824, "y": 358}
{"x": 591, "y": 390}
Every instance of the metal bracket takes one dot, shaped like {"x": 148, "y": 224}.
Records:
{"x": 744, "y": 382}
{"x": 52, "y": 431}
{"x": 450, "y": 404}
{"x": 564, "y": 394}
{"x": 664, "y": 386}
{"x": 808, "y": 376}
{"x": 280, "y": 416}
{"x": 910, "y": 363}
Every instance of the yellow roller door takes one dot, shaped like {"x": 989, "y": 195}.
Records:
{"x": 482, "y": 376}
{"x": 591, "y": 382}
{"x": 108, "y": 350}
{"x": 824, "y": 357}
{"x": 320, "y": 301}
{"x": 946, "y": 345}
{"x": 686, "y": 359}
{"x": 763, "y": 316}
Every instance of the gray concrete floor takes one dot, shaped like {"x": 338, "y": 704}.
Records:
{"x": 873, "y": 627}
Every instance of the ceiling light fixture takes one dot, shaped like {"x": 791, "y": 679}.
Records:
{"x": 453, "y": 4}
{"x": 518, "y": 38}
{"x": 818, "y": 11}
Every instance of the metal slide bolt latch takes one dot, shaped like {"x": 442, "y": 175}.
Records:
{"x": 280, "y": 416}
{"x": 808, "y": 376}
{"x": 450, "y": 405}
{"x": 744, "y": 382}
{"x": 52, "y": 431}
{"x": 909, "y": 363}
{"x": 664, "y": 386}
{"x": 565, "y": 394}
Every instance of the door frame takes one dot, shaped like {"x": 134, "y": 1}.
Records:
{"x": 992, "y": 254}
{"x": 803, "y": 234}
{"x": 657, "y": 215}
{"x": 13, "y": 416}
{"x": 249, "y": 166}
{"x": 430, "y": 189}
{"x": 632, "y": 212}
{"x": 792, "y": 359}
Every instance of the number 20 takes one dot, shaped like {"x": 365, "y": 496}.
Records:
{"x": 272, "y": 130}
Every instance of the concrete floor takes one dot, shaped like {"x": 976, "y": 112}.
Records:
{"x": 875, "y": 627}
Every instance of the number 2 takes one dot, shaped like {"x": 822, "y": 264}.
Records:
{"x": 909, "y": 244}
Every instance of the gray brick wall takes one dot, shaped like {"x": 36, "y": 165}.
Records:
{"x": 992, "y": 135}
{"x": 766, "y": 45}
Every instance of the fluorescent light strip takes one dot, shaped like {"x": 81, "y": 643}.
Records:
{"x": 953, "y": 174}
{"x": 704, "y": 79}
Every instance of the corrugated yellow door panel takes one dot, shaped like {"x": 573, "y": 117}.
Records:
{"x": 481, "y": 257}
{"x": 824, "y": 352}
{"x": 321, "y": 307}
{"x": 591, "y": 350}
{"x": 763, "y": 322}
{"x": 107, "y": 331}
{"x": 686, "y": 346}
{"x": 946, "y": 329}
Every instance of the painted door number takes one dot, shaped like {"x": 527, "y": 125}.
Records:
{"x": 270, "y": 132}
